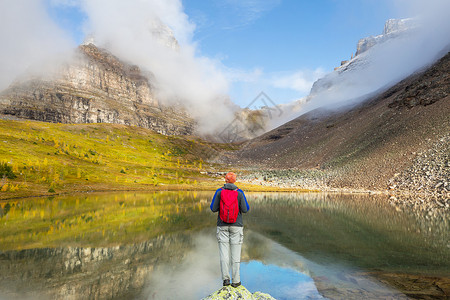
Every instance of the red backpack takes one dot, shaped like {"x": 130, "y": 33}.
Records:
{"x": 229, "y": 206}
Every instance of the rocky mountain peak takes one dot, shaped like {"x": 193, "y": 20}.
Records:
{"x": 392, "y": 28}
{"x": 163, "y": 34}
{"x": 397, "y": 25}
{"x": 96, "y": 87}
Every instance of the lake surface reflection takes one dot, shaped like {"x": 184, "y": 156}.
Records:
{"x": 162, "y": 245}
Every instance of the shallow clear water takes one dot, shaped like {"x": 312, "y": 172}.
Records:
{"x": 162, "y": 246}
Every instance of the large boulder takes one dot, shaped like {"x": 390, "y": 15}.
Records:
{"x": 230, "y": 293}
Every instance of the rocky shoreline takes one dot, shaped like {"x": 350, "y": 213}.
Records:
{"x": 403, "y": 194}
{"x": 425, "y": 183}
{"x": 422, "y": 184}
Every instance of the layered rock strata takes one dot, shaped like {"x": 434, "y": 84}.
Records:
{"x": 96, "y": 87}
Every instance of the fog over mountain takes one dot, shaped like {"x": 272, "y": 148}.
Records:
{"x": 162, "y": 44}
{"x": 396, "y": 54}
{"x": 159, "y": 43}
{"x": 181, "y": 75}
{"x": 29, "y": 38}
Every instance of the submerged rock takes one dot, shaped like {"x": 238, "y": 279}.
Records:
{"x": 230, "y": 293}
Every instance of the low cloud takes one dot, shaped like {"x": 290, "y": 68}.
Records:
{"x": 300, "y": 81}
{"x": 153, "y": 34}
{"x": 141, "y": 34}
{"x": 29, "y": 38}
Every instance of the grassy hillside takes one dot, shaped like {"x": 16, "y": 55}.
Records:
{"x": 39, "y": 158}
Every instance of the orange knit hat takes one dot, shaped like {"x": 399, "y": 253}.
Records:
{"x": 230, "y": 177}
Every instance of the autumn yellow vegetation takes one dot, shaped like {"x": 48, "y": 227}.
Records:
{"x": 52, "y": 158}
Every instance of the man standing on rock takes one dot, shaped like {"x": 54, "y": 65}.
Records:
{"x": 230, "y": 202}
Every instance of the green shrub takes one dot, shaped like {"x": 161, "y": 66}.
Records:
{"x": 6, "y": 171}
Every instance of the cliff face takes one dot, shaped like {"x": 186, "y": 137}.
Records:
{"x": 95, "y": 88}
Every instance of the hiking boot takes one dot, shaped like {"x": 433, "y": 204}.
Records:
{"x": 226, "y": 282}
{"x": 235, "y": 285}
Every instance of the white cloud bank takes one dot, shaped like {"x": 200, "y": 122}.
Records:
{"x": 28, "y": 37}
{"x": 131, "y": 30}
{"x": 300, "y": 81}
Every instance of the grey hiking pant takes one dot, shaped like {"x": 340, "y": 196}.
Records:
{"x": 230, "y": 240}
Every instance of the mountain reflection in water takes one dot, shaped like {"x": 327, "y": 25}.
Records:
{"x": 162, "y": 246}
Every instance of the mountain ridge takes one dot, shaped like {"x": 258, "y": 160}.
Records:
{"x": 360, "y": 147}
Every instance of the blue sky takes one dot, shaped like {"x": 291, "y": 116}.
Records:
{"x": 286, "y": 35}
{"x": 279, "y": 47}
{"x": 284, "y": 39}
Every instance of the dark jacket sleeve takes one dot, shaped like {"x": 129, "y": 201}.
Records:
{"x": 215, "y": 205}
{"x": 243, "y": 204}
